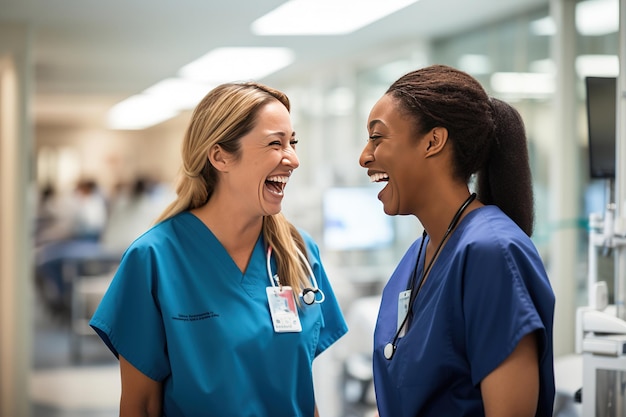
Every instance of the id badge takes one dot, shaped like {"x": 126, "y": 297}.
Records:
{"x": 283, "y": 309}
{"x": 403, "y": 310}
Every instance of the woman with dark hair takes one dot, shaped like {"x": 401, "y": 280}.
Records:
{"x": 465, "y": 322}
{"x": 222, "y": 306}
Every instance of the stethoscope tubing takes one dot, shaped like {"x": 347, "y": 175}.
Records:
{"x": 275, "y": 279}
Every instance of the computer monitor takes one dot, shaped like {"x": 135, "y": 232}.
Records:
{"x": 601, "y": 117}
{"x": 354, "y": 219}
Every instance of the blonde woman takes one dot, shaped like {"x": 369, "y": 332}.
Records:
{"x": 221, "y": 307}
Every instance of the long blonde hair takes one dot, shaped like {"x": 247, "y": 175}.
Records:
{"x": 224, "y": 115}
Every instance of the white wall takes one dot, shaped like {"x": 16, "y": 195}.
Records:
{"x": 15, "y": 245}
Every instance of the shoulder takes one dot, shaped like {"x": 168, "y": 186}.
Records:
{"x": 488, "y": 238}
{"x": 489, "y": 227}
{"x": 491, "y": 241}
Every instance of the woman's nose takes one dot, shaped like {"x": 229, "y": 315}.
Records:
{"x": 367, "y": 156}
{"x": 291, "y": 160}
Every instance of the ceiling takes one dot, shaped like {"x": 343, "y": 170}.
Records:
{"x": 89, "y": 55}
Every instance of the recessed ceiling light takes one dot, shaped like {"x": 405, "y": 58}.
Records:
{"x": 237, "y": 64}
{"x": 324, "y": 17}
{"x": 593, "y": 18}
{"x": 523, "y": 84}
{"x": 138, "y": 112}
{"x": 597, "y": 17}
{"x": 597, "y": 66}
{"x": 179, "y": 93}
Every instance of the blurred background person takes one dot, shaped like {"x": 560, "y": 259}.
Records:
{"x": 132, "y": 210}
{"x": 72, "y": 233}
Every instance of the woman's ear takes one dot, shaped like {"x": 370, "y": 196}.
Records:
{"x": 436, "y": 140}
{"x": 218, "y": 158}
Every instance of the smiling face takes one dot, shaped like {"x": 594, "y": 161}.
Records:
{"x": 394, "y": 155}
{"x": 257, "y": 179}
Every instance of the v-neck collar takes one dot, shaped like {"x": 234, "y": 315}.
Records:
{"x": 255, "y": 275}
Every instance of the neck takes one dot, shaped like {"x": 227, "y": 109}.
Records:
{"x": 432, "y": 251}
{"x": 235, "y": 230}
{"x": 442, "y": 226}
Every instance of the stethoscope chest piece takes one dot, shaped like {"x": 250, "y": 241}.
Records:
{"x": 389, "y": 350}
{"x": 308, "y": 296}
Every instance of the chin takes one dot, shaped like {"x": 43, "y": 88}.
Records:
{"x": 389, "y": 212}
{"x": 272, "y": 211}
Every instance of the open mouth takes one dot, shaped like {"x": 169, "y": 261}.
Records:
{"x": 379, "y": 177}
{"x": 276, "y": 184}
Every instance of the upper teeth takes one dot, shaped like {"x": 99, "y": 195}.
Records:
{"x": 279, "y": 178}
{"x": 379, "y": 176}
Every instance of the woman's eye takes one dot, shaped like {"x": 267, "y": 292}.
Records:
{"x": 293, "y": 142}
{"x": 374, "y": 137}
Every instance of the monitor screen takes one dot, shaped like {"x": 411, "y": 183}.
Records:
{"x": 354, "y": 219}
{"x": 601, "y": 113}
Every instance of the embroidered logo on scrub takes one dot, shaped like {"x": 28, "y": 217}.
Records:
{"x": 195, "y": 317}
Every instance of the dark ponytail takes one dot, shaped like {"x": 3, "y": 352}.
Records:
{"x": 505, "y": 179}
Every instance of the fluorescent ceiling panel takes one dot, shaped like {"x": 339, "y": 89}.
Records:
{"x": 597, "y": 17}
{"x": 324, "y": 17}
{"x": 138, "y": 112}
{"x": 523, "y": 84}
{"x": 597, "y": 66}
{"x": 179, "y": 93}
{"x": 593, "y": 18}
{"x": 237, "y": 64}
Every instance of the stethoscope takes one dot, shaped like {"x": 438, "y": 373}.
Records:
{"x": 415, "y": 287}
{"x": 309, "y": 295}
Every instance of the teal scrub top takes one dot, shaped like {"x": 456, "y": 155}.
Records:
{"x": 181, "y": 312}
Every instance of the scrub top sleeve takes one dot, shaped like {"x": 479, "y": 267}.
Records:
{"x": 128, "y": 318}
{"x": 497, "y": 307}
{"x": 333, "y": 323}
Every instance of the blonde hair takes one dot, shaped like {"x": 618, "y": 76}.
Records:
{"x": 224, "y": 115}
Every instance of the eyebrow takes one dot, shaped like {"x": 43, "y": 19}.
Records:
{"x": 281, "y": 134}
{"x": 374, "y": 123}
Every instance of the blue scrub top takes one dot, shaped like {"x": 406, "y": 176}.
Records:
{"x": 180, "y": 311}
{"x": 487, "y": 289}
